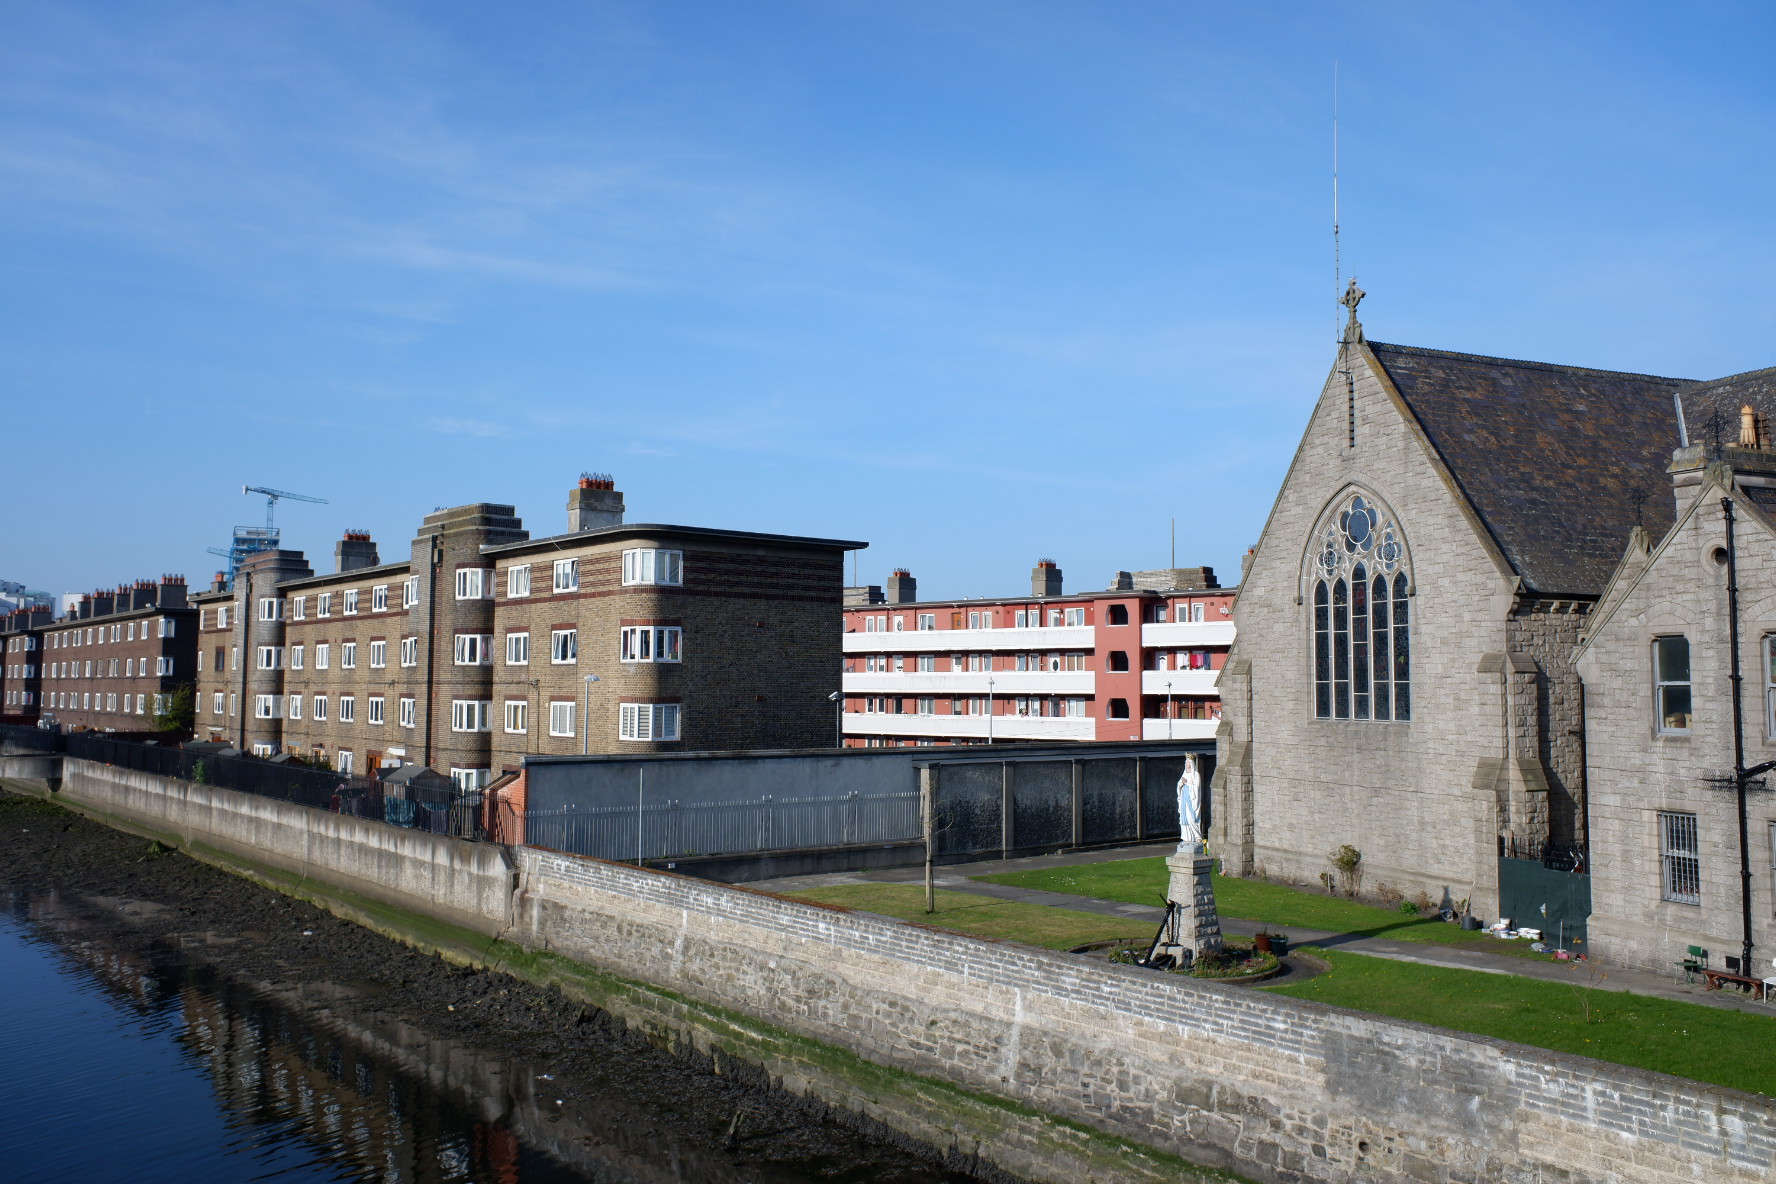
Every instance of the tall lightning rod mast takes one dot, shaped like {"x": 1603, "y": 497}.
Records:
{"x": 271, "y": 499}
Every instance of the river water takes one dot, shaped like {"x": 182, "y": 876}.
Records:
{"x": 128, "y": 1059}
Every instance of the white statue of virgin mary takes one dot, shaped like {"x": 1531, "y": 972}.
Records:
{"x": 1190, "y": 819}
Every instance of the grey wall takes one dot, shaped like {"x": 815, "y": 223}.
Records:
{"x": 1274, "y": 1088}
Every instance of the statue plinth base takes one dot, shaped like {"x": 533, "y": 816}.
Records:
{"x": 1198, "y": 927}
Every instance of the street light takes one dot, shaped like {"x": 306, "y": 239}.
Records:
{"x": 989, "y": 711}
{"x": 1168, "y": 709}
{"x": 586, "y": 719}
{"x": 838, "y": 697}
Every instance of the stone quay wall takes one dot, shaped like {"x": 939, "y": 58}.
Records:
{"x": 1047, "y": 1065}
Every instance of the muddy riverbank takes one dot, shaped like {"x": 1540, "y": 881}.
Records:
{"x": 563, "y": 1079}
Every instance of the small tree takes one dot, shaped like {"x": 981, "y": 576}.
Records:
{"x": 175, "y": 712}
{"x": 1348, "y": 862}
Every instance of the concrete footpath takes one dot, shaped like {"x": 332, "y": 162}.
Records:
{"x": 959, "y": 878}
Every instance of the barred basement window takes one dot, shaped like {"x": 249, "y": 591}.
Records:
{"x": 1680, "y": 863}
{"x": 1362, "y": 664}
{"x": 648, "y": 721}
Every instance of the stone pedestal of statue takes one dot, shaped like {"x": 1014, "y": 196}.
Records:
{"x": 1198, "y": 927}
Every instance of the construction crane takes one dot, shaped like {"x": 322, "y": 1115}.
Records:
{"x": 250, "y": 540}
{"x": 271, "y": 499}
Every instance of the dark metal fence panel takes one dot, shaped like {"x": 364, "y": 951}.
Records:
{"x": 1107, "y": 801}
{"x": 1535, "y": 896}
{"x": 673, "y": 829}
{"x": 966, "y": 815}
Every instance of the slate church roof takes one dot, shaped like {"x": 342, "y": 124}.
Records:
{"x": 1558, "y": 461}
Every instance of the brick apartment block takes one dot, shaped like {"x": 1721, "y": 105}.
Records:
{"x": 1137, "y": 661}
{"x": 21, "y": 678}
{"x": 118, "y": 656}
{"x": 437, "y": 661}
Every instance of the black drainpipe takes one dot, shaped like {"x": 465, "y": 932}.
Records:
{"x": 431, "y": 645}
{"x": 245, "y": 612}
{"x": 1740, "y": 775}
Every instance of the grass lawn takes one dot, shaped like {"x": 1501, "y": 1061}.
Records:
{"x": 1057, "y": 929}
{"x": 1143, "y": 881}
{"x": 1728, "y": 1048}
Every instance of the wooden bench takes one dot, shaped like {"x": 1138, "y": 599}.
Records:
{"x": 1714, "y": 980}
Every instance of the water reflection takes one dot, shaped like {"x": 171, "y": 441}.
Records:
{"x": 126, "y": 1059}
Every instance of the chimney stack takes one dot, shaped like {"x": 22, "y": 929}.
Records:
{"x": 594, "y": 503}
{"x": 172, "y": 592}
{"x": 902, "y": 587}
{"x": 355, "y": 550}
{"x": 1045, "y": 578}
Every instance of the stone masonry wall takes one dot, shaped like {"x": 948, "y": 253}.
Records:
{"x": 1274, "y": 1088}
{"x": 1548, "y": 631}
{"x": 1270, "y": 1087}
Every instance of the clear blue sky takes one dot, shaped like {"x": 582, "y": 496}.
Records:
{"x": 974, "y": 282}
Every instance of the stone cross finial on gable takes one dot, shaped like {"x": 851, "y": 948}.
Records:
{"x": 1352, "y": 297}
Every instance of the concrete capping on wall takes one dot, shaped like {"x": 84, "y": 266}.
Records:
{"x": 1048, "y": 1065}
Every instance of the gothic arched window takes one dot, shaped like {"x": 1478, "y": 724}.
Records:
{"x": 1362, "y": 646}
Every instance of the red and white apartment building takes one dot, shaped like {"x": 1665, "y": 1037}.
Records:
{"x": 1138, "y": 661}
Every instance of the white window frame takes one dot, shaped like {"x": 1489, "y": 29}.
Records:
{"x": 1075, "y": 616}
{"x": 271, "y": 608}
{"x": 324, "y": 604}
{"x": 518, "y": 581}
{"x": 653, "y": 565}
{"x": 410, "y": 592}
{"x": 343, "y": 761}
{"x": 473, "y": 649}
{"x": 410, "y": 651}
{"x": 474, "y": 583}
{"x": 267, "y": 707}
{"x": 471, "y": 715}
{"x": 1665, "y": 685}
{"x": 293, "y": 707}
{"x": 320, "y": 709}
{"x": 409, "y": 711}
{"x": 374, "y": 708}
{"x": 299, "y": 608}
{"x": 348, "y": 709}
{"x": 348, "y": 655}
{"x": 379, "y": 598}
{"x": 643, "y": 722}
{"x": 517, "y": 716}
{"x": 379, "y": 655}
{"x": 271, "y": 657}
{"x": 650, "y": 643}
{"x": 349, "y": 603}
{"x": 567, "y": 575}
{"x": 561, "y": 718}
{"x": 564, "y": 647}
{"x": 518, "y": 647}
{"x": 298, "y": 657}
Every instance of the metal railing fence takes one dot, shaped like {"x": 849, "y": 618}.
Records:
{"x": 441, "y": 810}
{"x": 673, "y": 829}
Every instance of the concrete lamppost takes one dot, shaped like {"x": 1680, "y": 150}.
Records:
{"x": 1168, "y": 710}
{"x": 586, "y": 722}
{"x": 989, "y": 711}
{"x": 838, "y": 698}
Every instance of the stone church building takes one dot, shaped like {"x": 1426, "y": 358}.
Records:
{"x": 1404, "y": 676}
